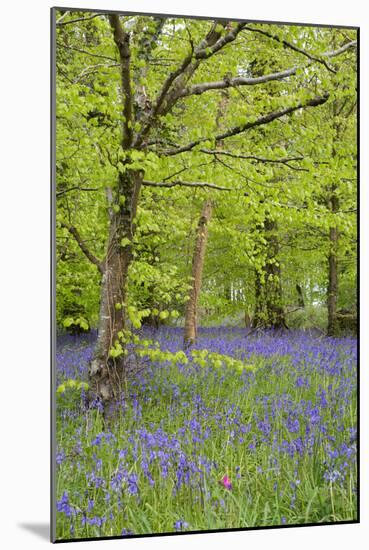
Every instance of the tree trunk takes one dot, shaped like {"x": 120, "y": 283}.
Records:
{"x": 332, "y": 290}
{"x": 258, "y": 318}
{"x": 269, "y": 312}
{"x": 191, "y": 316}
{"x": 106, "y": 374}
{"x": 300, "y": 299}
{"x": 332, "y": 275}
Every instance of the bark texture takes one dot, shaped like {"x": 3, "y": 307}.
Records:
{"x": 332, "y": 274}
{"x": 300, "y": 299}
{"x": 107, "y": 374}
{"x": 269, "y": 312}
{"x": 191, "y": 317}
{"x": 333, "y": 203}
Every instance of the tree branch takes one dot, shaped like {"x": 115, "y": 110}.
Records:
{"x": 175, "y": 82}
{"x": 341, "y": 50}
{"x": 61, "y": 45}
{"x": 186, "y": 168}
{"x": 291, "y": 46}
{"x": 212, "y": 43}
{"x": 76, "y": 188}
{"x": 285, "y": 160}
{"x": 121, "y": 40}
{"x": 180, "y": 71}
{"x": 92, "y": 69}
{"x": 73, "y": 231}
{"x": 60, "y": 23}
{"x": 185, "y": 184}
{"x": 207, "y": 52}
{"x": 198, "y": 89}
{"x": 65, "y": 14}
{"x": 266, "y": 119}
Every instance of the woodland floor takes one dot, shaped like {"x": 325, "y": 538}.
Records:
{"x": 203, "y": 445}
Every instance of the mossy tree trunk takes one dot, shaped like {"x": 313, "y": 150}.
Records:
{"x": 333, "y": 205}
{"x": 269, "y": 311}
{"x": 332, "y": 292}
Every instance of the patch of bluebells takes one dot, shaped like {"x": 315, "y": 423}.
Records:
{"x": 181, "y": 525}
{"x": 60, "y": 457}
{"x": 63, "y": 505}
{"x": 301, "y": 390}
{"x": 126, "y": 532}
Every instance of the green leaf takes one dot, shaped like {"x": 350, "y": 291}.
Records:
{"x": 125, "y": 242}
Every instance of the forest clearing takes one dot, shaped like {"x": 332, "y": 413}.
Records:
{"x": 206, "y": 274}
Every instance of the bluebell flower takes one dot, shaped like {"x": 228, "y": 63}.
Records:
{"x": 132, "y": 484}
{"x": 64, "y": 506}
{"x": 181, "y": 525}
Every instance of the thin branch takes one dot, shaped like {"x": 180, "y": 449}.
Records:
{"x": 60, "y": 45}
{"x": 60, "y": 23}
{"x": 341, "y": 50}
{"x": 198, "y": 89}
{"x": 81, "y": 243}
{"x": 296, "y": 168}
{"x": 92, "y": 69}
{"x": 65, "y": 14}
{"x": 297, "y": 308}
{"x": 233, "y": 170}
{"x": 291, "y": 46}
{"x": 265, "y": 119}
{"x": 185, "y": 184}
{"x": 121, "y": 39}
{"x": 285, "y": 160}
{"x": 186, "y": 168}
{"x": 63, "y": 73}
{"x": 76, "y": 188}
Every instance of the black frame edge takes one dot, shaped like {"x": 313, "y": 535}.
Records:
{"x": 52, "y": 272}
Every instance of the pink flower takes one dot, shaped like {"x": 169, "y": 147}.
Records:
{"x": 226, "y": 482}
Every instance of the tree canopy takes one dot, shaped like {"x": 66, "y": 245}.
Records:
{"x": 258, "y": 118}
